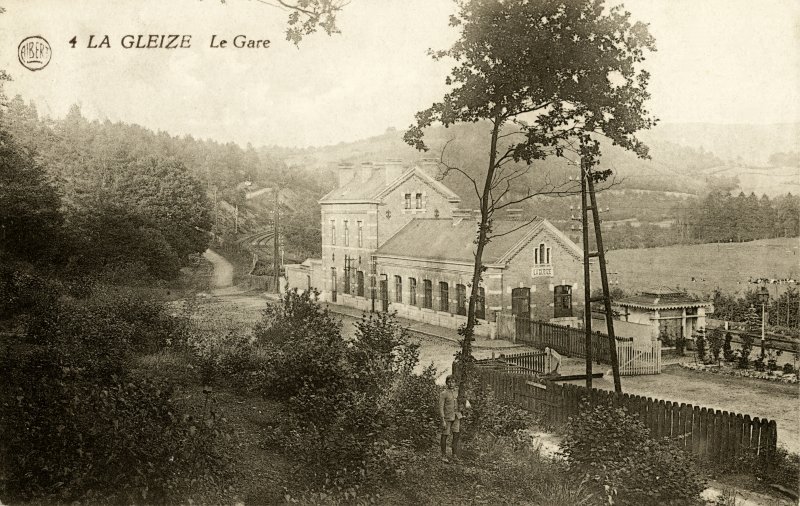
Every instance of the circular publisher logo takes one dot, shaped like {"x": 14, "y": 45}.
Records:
{"x": 34, "y": 52}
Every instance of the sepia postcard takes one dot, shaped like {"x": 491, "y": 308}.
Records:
{"x": 397, "y": 252}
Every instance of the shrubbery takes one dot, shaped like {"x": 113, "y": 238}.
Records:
{"x": 616, "y": 449}
{"x": 125, "y": 440}
{"x": 356, "y": 407}
{"x": 78, "y": 425}
{"x": 490, "y": 416}
{"x": 99, "y": 334}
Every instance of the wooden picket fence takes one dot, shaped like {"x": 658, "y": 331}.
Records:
{"x": 635, "y": 358}
{"x": 530, "y": 364}
{"x": 568, "y": 341}
{"x": 718, "y": 436}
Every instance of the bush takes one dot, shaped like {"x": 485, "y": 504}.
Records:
{"x": 99, "y": 334}
{"x": 715, "y": 344}
{"x": 700, "y": 344}
{"x": 772, "y": 355}
{"x": 414, "y": 409}
{"x": 490, "y": 416}
{"x": 356, "y": 406}
{"x": 229, "y": 356}
{"x": 69, "y": 438}
{"x": 788, "y": 368}
{"x": 616, "y": 449}
{"x": 782, "y": 467}
{"x": 744, "y": 352}
{"x": 727, "y": 351}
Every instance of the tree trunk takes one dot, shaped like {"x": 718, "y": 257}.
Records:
{"x": 276, "y": 264}
{"x": 469, "y": 330}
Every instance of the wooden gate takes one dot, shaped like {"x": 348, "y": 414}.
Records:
{"x": 636, "y": 358}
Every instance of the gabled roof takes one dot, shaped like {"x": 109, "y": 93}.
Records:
{"x": 446, "y": 192}
{"x": 454, "y": 241}
{"x": 662, "y": 298}
{"x": 374, "y": 189}
{"x": 545, "y": 225}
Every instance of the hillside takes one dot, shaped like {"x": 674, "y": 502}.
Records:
{"x": 748, "y": 144}
{"x": 702, "y": 268}
{"x": 681, "y": 160}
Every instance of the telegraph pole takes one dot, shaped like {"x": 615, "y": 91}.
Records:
{"x": 587, "y": 189}
{"x": 587, "y": 290}
{"x": 276, "y": 252}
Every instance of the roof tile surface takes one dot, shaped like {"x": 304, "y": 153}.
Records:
{"x": 452, "y": 240}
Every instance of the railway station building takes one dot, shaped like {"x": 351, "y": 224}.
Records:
{"x": 395, "y": 239}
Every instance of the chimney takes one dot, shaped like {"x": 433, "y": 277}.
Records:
{"x": 430, "y": 166}
{"x": 514, "y": 214}
{"x": 346, "y": 173}
{"x": 394, "y": 169}
{"x": 365, "y": 171}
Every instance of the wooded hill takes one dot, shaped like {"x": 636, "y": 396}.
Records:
{"x": 680, "y": 162}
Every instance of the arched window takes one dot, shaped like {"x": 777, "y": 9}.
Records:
{"x": 461, "y": 300}
{"x": 444, "y": 296}
{"x": 427, "y": 287}
{"x": 398, "y": 289}
{"x": 541, "y": 255}
{"x": 562, "y": 301}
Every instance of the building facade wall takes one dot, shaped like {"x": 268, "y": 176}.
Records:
{"x": 393, "y": 214}
{"x": 379, "y": 223}
{"x": 564, "y": 268}
{"x": 346, "y": 246}
{"x": 452, "y": 274}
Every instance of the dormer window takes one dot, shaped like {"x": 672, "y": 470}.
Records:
{"x": 418, "y": 201}
{"x": 408, "y": 201}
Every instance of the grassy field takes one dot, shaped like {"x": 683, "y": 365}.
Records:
{"x": 701, "y": 268}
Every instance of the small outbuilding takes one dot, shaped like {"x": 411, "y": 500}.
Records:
{"x": 670, "y": 313}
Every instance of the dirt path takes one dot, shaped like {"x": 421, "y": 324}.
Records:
{"x": 223, "y": 270}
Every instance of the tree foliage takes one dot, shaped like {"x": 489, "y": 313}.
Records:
{"x": 30, "y": 222}
{"x": 354, "y": 401}
{"x": 544, "y": 77}
{"x": 308, "y": 16}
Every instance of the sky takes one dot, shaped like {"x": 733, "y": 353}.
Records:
{"x": 718, "y": 61}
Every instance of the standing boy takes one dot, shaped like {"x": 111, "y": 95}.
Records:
{"x": 450, "y": 416}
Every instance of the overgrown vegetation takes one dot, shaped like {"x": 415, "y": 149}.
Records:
{"x": 79, "y": 424}
{"x": 356, "y": 407}
{"x": 625, "y": 462}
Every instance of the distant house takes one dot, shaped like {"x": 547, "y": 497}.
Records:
{"x": 393, "y": 238}
{"x": 670, "y": 313}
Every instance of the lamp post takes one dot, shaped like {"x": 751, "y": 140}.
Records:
{"x": 763, "y": 298}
